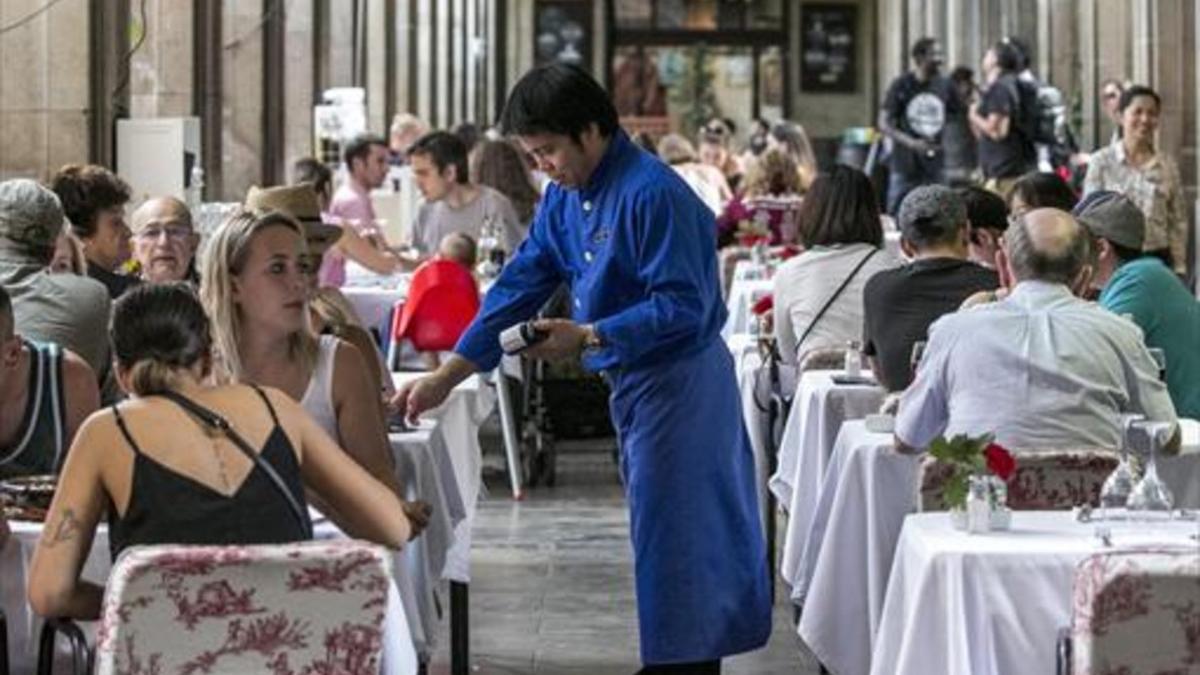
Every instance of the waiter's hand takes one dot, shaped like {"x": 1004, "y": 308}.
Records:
{"x": 421, "y": 395}
{"x": 566, "y": 340}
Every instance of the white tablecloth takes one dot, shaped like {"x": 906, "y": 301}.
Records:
{"x": 818, "y": 410}
{"x": 426, "y": 474}
{"x": 845, "y": 556}
{"x": 454, "y": 438}
{"x": 742, "y": 296}
{"x": 24, "y": 626}
{"x": 990, "y": 604}
{"x": 373, "y": 304}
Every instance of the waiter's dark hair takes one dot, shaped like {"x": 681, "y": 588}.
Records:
{"x": 558, "y": 99}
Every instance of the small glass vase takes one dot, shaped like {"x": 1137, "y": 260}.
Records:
{"x": 991, "y": 493}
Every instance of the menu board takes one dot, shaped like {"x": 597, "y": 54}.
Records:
{"x": 564, "y": 29}
{"x": 828, "y": 47}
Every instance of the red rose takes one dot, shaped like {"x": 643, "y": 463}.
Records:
{"x": 1000, "y": 461}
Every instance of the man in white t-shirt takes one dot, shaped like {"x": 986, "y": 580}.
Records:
{"x": 452, "y": 202}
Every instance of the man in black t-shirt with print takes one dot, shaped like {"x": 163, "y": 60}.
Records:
{"x": 900, "y": 304}
{"x": 1000, "y": 121}
{"x": 914, "y": 114}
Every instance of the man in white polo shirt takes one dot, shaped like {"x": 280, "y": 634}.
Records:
{"x": 1040, "y": 369}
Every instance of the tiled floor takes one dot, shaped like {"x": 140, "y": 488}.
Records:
{"x": 552, "y": 584}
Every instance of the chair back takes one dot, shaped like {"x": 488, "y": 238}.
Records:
{"x": 1137, "y": 611}
{"x": 442, "y": 301}
{"x": 1045, "y": 480}
{"x": 822, "y": 359}
{"x": 309, "y": 607}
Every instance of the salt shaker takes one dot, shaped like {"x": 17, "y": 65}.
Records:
{"x": 979, "y": 511}
{"x": 853, "y": 359}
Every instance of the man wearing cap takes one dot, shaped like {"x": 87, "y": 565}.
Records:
{"x": 1041, "y": 369}
{"x": 69, "y": 310}
{"x": 900, "y": 303}
{"x": 1143, "y": 287}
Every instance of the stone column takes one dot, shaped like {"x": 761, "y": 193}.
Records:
{"x": 160, "y": 78}
{"x": 44, "y": 103}
{"x": 300, "y": 89}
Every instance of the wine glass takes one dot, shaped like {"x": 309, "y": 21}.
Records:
{"x": 918, "y": 352}
{"x": 1160, "y": 359}
{"x": 1119, "y": 484}
{"x": 1150, "y": 494}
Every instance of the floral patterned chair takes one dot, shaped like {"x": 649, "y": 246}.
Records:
{"x": 822, "y": 359}
{"x": 1044, "y": 481}
{"x": 1134, "y": 611}
{"x": 311, "y": 608}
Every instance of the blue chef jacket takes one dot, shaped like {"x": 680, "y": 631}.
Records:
{"x": 637, "y": 248}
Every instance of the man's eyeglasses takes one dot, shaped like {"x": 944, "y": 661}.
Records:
{"x": 172, "y": 233}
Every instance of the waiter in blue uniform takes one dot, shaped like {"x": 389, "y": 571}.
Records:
{"x": 637, "y": 248}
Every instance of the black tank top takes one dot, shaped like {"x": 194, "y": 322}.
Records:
{"x": 166, "y": 507}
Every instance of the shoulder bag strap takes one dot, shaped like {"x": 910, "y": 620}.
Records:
{"x": 216, "y": 421}
{"x": 829, "y": 303}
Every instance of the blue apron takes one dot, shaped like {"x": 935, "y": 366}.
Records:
{"x": 637, "y": 248}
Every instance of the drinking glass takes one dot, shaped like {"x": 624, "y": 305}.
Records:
{"x": 1150, "y": 496}
{"x": 1160, "y": 359}
{"x": 914, "y": 360}
{"x": 1119, "y": 484}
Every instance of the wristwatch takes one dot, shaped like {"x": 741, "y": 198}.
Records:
{"x": 591, "y": 338}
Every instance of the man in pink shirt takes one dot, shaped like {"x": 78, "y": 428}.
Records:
{"x": 366, "y": 159}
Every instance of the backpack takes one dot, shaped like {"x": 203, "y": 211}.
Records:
{"x": 1043, "y": 115}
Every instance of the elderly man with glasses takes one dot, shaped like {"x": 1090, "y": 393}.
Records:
{"x": 164, "y": 241}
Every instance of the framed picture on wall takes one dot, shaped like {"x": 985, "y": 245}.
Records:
{"x": 828, "y": 47}
{"x": 563, "y": 32}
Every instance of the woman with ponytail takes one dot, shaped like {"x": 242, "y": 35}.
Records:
{"x": 185, "y": 462}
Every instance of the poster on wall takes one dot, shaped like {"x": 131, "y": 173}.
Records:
{"x": 828, "y": 47}
{"x": 564, "y": 32}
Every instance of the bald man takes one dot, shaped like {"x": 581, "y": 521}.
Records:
{"x": 164, "y": 241}
{"x": 1041, "y": 369}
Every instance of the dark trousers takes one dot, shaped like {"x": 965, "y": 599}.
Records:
{"x": 900, "y": 184}
{"x": 697, "y": 668}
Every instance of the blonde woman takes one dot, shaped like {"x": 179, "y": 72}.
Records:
{"x": 157, "y": 467}
{"x": 254, "y": 287}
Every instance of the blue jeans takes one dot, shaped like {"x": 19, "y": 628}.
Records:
{"x": 900, "y": 184}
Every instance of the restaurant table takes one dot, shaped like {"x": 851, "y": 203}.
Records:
{"x": 454, "y": 437}
{"x": 426, "y": 475}
{"x": 24, "y": 625}
{"x": 748, "y": 368}
{"x": 818, "y": 410}
{"x": 742, "y": 296}
{"x": 374, "y": 296}
{"x": 991, "y": 604}
{"x": 845, "y": 554}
